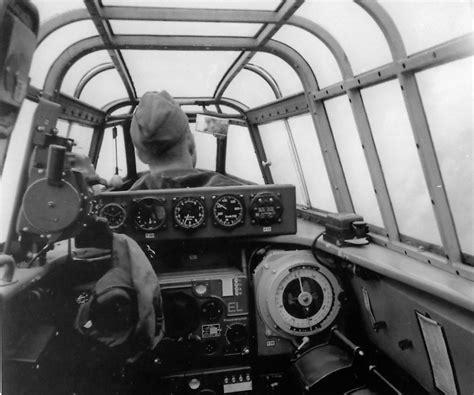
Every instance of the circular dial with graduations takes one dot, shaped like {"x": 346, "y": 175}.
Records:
{"x": 114, "y": 213}
{"x": 296, "y": 296}
{"x": 228, "y": 211}
{"x": 303, "y": 299}
{"x": 189, "y": 213}
{"x": 149, "y": 214}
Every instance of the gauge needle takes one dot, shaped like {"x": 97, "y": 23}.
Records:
{"x": 301, "y": 284}
{"x": 221, "y": 205}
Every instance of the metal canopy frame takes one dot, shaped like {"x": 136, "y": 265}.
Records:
{"x": 310, "y": 101}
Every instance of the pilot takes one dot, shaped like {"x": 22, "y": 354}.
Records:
{"x": 161, "y": 135}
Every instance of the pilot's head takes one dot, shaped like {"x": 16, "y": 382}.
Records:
{"x": 160, "y": 132}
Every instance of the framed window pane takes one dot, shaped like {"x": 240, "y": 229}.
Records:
{"x": 206, "y": 149}
{"x": 278, "y": 151}
{"x": 49, "y": 9}
{"x": 106, "y": 164}
{"x": 353, "y": 159}
{"x": 185, "y": 28}
{"x": 424, "y": 24}
{"x": 54, "y": 45}
{"x": 241, "y": 160}
{"x": 286, "y": 78}
{"x": 318, "y": 56}
{"x": 181, "y": 73}
{"x": 314, "y": 169}
{"x": 80, "y": 68}
{"x": 82, "y": 138}
{"x": 269, "y": 5}
{"x": 359, "y": 35}
{"x": 448, "y": 101}
{"x": 250, "y": 89}
{"x": 400, "y": 162}
{"x": 103, "y": 88}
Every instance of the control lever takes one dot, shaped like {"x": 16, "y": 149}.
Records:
{"x": 55, "y": 164}
{"x": 303, "y": 343}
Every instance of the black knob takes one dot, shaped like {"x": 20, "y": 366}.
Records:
{"x": 212, "y": 310}
{"x": 236, "y": 333}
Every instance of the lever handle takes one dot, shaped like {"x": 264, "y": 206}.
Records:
{"x": 55, "y": 164}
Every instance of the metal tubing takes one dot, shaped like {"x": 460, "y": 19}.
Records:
{"x": 265, "y": 34}
{"x": 421, "y": 132}
{"x": 260, "y": 152}
{"x": 95, "y": 10}
{"x": 89, "y": 75}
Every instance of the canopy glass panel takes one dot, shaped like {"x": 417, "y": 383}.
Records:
{"x": 241, "y": 160}
{"x": 54, "y": 45}
{"x": 185, "y": 28}
{"x": 400, "y": 162}
{"x": 250, "y": 89}
{"x": 49, "y": 8}
{"x": 318, "y": 56}
{"x": 104, "y": 88}
{"x": 424, "y": 24}
{"x": 448, "y": 100}
{"x": 278, "y": 151}
{"x": 269, "y": 5}
{"x": 312, "y": 163}
{"x": 181, "y": 73}
{"x": 353, "y": 160}
{"x": 82, "y": 67}
{"x": 286, "y": 78}
{"x": 356, "y": 31}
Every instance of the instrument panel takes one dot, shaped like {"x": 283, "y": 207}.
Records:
{"x": 207, "y": 212}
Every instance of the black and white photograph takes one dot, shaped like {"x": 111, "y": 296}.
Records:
{"x": 269, "y": 197}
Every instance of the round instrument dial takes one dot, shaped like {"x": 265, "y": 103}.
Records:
{"x": 228, "y": 211}
{"x": 189, "y": 213}
{"x": 296, "y": 295}
{"x": 114, "y": 213}
{"x": 303, "y": 299}
{"x": 149, "y": 214}
{"x": 266, "y": 208}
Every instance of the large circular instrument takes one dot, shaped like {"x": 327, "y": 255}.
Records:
{"x": 296, "y": 296}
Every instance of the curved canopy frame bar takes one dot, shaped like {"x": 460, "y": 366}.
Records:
{"x": 89, "y": 75}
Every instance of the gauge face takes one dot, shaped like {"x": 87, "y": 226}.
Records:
{"x": 296, "y": 296}
{"x": 228, "y": 211}
{"x": 266, "y": 208}
{"x": 303, "y": 299}
{"x": 149, "y": 214}
{"x": 114, "y": 213}
{"x": 189, "y": 213}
